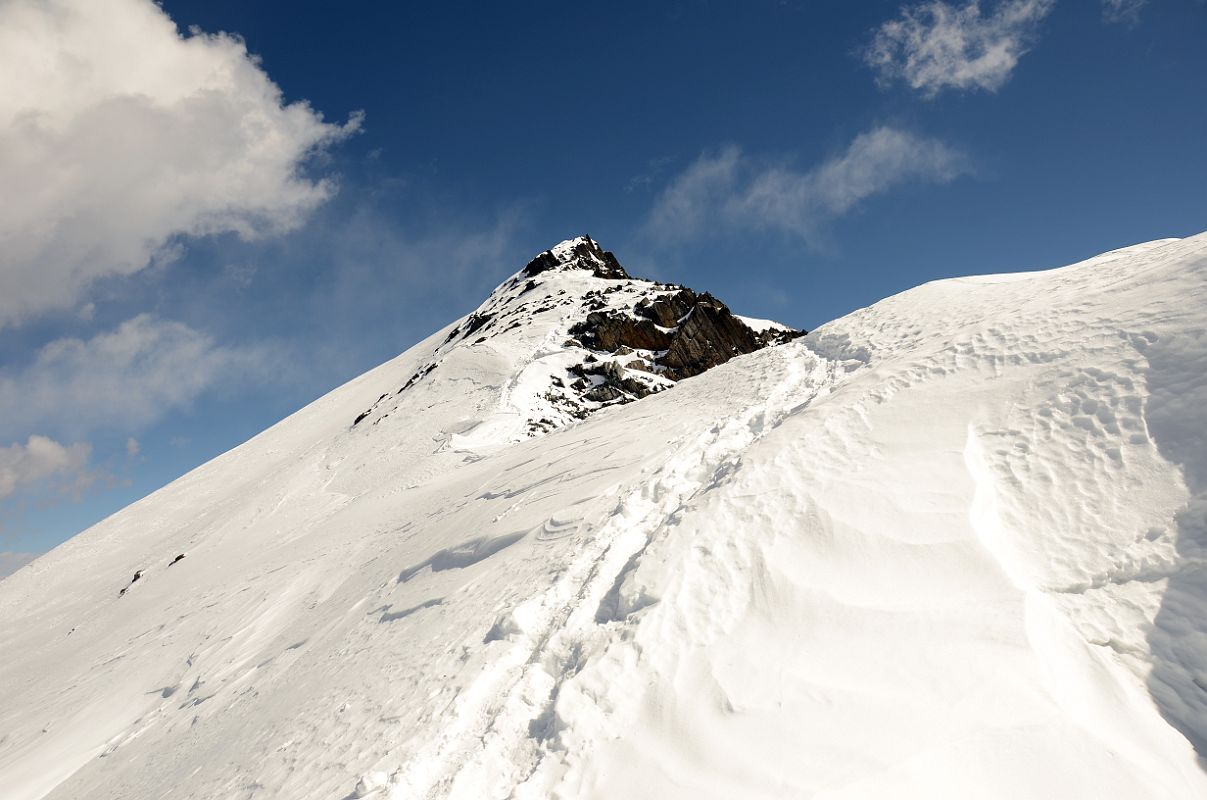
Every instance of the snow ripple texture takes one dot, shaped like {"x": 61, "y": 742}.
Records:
{"x": 949, "y": 546}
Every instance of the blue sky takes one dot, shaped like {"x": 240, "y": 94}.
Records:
{"x": 204, "y": 232}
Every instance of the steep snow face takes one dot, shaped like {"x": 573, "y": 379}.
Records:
{"x": 948, "y": 546}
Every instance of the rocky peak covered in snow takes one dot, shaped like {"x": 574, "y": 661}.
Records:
{"x": 582, "y": 252}
{"x": 577, "y": 334}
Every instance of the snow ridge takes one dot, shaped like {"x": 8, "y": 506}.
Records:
{"x": 514, "y": 729}
{"x": 948, "y": 546}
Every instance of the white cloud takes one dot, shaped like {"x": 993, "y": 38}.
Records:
{"x": 133, "y": 448}
{"x": 696, "y": 197}
{"x": 935, "y": 45}
{"x": 38, "y": 459}
{"x": 1126, "y": 11}
{"x": 118, "y": 134}
{"x": 728, "y": 188}
{"x": 125, "y": 378}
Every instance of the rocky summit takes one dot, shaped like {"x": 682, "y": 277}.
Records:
{"x": 609, "y": 338}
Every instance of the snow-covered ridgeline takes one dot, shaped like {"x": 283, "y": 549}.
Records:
{"x": 948, "y": 546}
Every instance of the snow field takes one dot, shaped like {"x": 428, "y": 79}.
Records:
{"x": 948, "y": 546}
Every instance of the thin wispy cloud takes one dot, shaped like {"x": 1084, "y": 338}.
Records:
{"x": 126, "y": 378}
{"x": 936, "y": 46}
{"x": 697, "y": 196}
{"x": 1122, "y": 11}
{"x": 728, "y": 189}
{"x": 375, "y": 266}
{"x": 118, "y": 135}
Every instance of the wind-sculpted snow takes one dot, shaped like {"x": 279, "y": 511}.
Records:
{"x": 949, "y": 546}
{"x": 1176, "y": 417}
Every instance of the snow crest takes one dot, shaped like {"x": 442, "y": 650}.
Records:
{"x": 948, "y": 546}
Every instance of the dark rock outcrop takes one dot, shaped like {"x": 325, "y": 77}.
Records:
{"x": 133, "y": 581}
{"x": 586, "y": 254}
{"x": 609, "y": 331}
{"x": 688, "y": 333}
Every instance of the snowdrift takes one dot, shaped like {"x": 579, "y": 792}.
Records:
{"x": 949, "y": 546}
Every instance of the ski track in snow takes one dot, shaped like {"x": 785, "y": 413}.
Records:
{"x": 501, "y": 731}
{"x": 952, "y": 545}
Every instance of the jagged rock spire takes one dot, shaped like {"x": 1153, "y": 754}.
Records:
{"x": 580, "y": 253}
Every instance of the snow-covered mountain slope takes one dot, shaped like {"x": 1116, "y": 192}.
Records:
{"x": 949, "y": 546}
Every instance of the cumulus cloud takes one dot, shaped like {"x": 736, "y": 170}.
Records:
{"x": 1125, "y": 11}
{"x": 118, "y": 135}
{"x": 728, "y": 188}
{"x": 38, "y": 459}
{"x": 935, "y": 45}
{"x": 125, "y": 378}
